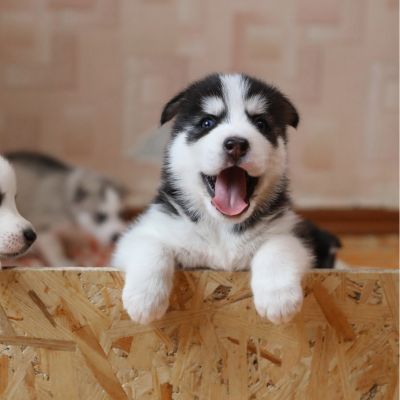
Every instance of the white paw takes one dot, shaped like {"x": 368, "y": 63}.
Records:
{"x": 146, "y": 304}
{"x": 278, "y": 304}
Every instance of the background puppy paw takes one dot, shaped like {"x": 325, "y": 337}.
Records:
{"x": 279, "y": 305}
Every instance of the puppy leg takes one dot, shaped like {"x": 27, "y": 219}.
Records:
{"x": 277, "y": 269}
{"x": 149, "y": 268}
{"x": 51, "y": 249}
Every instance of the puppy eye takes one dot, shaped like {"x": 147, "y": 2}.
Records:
{"x": 208, "y": 122}
{"x": 260, "y": 123}
{"x": 100, "y": 217}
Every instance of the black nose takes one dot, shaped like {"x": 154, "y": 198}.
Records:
{"x": 29, "y": 235}
{"x": 236, "y": 147}
{"x": 115, "y": 237}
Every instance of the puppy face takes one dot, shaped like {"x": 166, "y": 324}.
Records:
{"x": 228, "y": 147}
{"x": 16, "y": 233}
{"x": 97, "y": 206}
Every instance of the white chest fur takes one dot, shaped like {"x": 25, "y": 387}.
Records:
{"x": 208, "y": 243}
{"x": 152, "y": 248}
{"x": 215, "y": 247}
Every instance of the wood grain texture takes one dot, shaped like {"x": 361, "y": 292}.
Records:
{"x": 65, "y": 335}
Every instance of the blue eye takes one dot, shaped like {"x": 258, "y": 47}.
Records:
{"x": 208, "y": 122}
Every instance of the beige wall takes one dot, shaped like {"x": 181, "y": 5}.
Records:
{"x": 86, "y": 80}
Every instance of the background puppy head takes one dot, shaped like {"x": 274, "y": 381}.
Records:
{"x": 16, "y": 233}
{"x": 96, "y": 205}
{"x": 227, "y": 154}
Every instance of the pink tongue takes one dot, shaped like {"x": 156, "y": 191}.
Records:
{"x": 230, "y": 191}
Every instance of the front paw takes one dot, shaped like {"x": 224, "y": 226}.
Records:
{"x": 278, "y": 304}
{"x": 145, "y": 303}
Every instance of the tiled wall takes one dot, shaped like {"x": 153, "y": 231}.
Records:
{"x": 86, "y": 80}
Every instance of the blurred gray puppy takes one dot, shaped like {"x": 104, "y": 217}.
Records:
{"x": 16, "y": 233}
{"x": 56, "y": 196}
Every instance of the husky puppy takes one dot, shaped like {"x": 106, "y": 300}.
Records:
{"x": 16, "y": 233}
{"x": 223, "y": 201}
{"x": 55, "y": 196}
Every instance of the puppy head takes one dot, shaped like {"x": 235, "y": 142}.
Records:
{"x": 96, "y": 204}
{"x": 228, "y": 146}
{"x": 16, "y": 233}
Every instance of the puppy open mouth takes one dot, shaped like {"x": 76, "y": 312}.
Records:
{"x": 230, "y": 190}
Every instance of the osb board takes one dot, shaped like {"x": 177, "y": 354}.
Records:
{"x": 65, "y": 335}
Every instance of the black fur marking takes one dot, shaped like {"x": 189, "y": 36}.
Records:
{"x": 171, "y": 108}
{"x": 280, "y": 108}
{"x": 80, "y": 194}
{"x": 273, "y": 207}
{"x": 168, "y": 191}
{"x": 167, "y": 206}
{"x": 196, "y": 132}
{"x": 322, "y": 243}
{"x": 269, "y": 131}
{"x": 100, "y": 218}
{"x": 2, "y": 195}
{"x": 187, "y": 107}
{"x": 38, "y": 159}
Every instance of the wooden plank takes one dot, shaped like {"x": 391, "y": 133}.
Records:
{"x": 263, "y": 353}
{"x": 63, "y": 375}
{"x": 52, "y": 344}
{"x": 96, "y": 359}
{"x": 66, "y": 329}
{"x": 36, "y": 299}
{"x": 332, "y": 312}
{"x": 17, "y": 386}
{"x": 364, "y": 221}
{"x": 3, "y": 373}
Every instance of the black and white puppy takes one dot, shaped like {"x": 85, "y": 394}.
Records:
{"x": 223, "y": 202}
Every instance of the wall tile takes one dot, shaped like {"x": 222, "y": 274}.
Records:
{"x": 86, "y": 81}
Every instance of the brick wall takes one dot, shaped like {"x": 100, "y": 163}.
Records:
{"x": 86, "y": 79}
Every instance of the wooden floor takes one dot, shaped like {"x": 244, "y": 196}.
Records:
{"x": 378, "y": 251}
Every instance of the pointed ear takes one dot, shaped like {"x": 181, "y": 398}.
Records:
{"x": 80, "y": 194}
{"x": 292, "y": 116}
{"x": 171, "y": 108}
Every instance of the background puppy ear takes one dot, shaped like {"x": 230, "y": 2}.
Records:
{"x": 80, "y": 194}
{"x": 171, "y": 108}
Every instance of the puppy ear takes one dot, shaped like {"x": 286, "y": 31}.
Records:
{"x": 80, "y": 194}
{"x": 76, "y": 191}
{"x": 171, "y": 108}
{"x": 337, "y": 241}
{"x": 291, "y": 114}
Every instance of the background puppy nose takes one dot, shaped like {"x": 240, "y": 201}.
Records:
{"x": 29, "y": 235}
{"x": 236, "y": 147}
